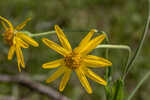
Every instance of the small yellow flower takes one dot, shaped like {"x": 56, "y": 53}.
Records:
{"x": 76, "y": 60}
{"x": 17, "y": 40}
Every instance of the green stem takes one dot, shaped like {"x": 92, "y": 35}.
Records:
{"x": 108, "y": 72}
{"x": 109, "y": 69}
{"x": 138, "y": 86}
{"x": 129, "y": 65}
{"x": 42, "y": 34}
{"x": 111, "y": 46}
{"x": 123, "y": 47}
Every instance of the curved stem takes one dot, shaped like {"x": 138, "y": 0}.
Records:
{"x": 112, "y": 46}
{"x": 123, "y": 47}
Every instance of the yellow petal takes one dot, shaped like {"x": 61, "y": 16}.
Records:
{"x": 8, "y": 22}
{"x": 27, "y": 39}
{"x": 92, "y": 44}
{"x": 65, "y": 79}
{"x": 22, "y": 25}
{"x": 4, "y": 25}
{"x": 88, "y": 37}
{"x": 56, "y": 74}
{"x": 83, "y": 80}
{"x": 19, "y": 66}
{"x": 96, "y": 62}
{"x": 11, "y": 52}
{"x": 55, "y": 47}
{"x": 94, "y": 76}
{"x": 53, "y": 64}
{"x": 20, "y": 55}
{"x": 85, "y": 40}
{"x": 62, "y": 38}
{"x": 21, "y": 43}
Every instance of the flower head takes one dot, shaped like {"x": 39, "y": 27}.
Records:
{"x": 16, "y": 39}
{"x": 76, "y": 60}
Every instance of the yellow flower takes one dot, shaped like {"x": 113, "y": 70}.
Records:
{"x": 76, "y": 60}
{"x": 17, "y": 40}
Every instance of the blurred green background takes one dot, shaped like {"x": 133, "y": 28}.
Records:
{"x": 122, "y": 20}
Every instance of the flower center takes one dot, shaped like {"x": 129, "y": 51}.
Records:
{"x": 73, "y": 60}
{"x": 8, "y": 37}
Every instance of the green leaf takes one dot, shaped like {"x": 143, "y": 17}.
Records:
{"x": 118, "y": 90}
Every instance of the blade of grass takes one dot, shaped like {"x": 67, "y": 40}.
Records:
{"x": 130, "y": 64}
{"x": 138, "y": 86}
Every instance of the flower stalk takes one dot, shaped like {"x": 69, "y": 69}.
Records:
{"x": 122, "y": 47}
{"x": 41, "y": 34}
